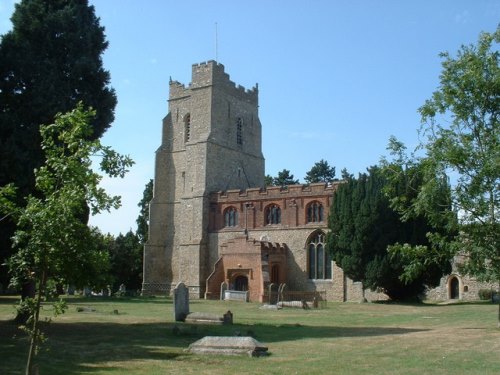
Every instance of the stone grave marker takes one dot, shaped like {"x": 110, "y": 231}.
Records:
{"x": 223, "y": 288}
{"x": 181, "y": 302}
{"x": 273, "y": 294}
{"x": 281, "y": 291}
{"x": 229, "y": 345}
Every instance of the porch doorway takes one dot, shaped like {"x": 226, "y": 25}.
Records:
{"x": 241, "y": 283}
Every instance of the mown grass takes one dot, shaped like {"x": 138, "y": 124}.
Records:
{"x": 344, "y": 338}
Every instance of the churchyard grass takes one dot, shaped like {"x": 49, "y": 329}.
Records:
{"x": 344, "y": 338}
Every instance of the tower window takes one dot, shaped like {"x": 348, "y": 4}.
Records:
{"x": 187, "y": 127}
{"x": 273, "y": 214}
{"x": 314, "y": 212}
{"x": 319, "y": 261}
{"x": 231, "y": 217}
{"x": 239, "y": 131}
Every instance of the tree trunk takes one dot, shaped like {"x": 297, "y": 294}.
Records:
{"x": 35, "y": 332}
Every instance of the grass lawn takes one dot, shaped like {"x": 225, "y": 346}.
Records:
{"x": 344, "y": 338}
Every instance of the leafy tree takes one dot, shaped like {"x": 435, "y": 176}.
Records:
{"x": 461, "y": 140}
{"x": 320, "y": 172}
{"x": 363, "y": 225}
{"x": 268, "y": 180}
{"x": 52, "y": 241}
{"x": 143, "y": 218}
{"x": 284, "y": 179}
{"x": 126, "y": 261}
{"x": 50, "y": 61}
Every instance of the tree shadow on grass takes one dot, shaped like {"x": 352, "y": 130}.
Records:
{"x": 87, "y": 347}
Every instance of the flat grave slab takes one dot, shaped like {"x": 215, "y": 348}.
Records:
{"x": 229, "y": 345}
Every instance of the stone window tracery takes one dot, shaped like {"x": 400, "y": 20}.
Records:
{"x": 273, "y": 214}
{"x": 314, "y": 212}
{"x": 318, "y": 259}
{"x": 231, "y": 217}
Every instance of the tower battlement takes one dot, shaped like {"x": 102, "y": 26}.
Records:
{"x": 211, "y": 73}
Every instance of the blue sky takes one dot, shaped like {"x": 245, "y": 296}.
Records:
{"x": 336, "y": 78}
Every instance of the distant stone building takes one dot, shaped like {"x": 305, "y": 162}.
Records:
{"x": 212, "y": 220}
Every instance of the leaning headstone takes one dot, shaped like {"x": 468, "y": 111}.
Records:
{"x": 223, "y": 288}
{"x": 229, "y": 345}
{"x": 281, "y": 291}
{"x": 181, "y": 302}
{"x": 87, "y": 292}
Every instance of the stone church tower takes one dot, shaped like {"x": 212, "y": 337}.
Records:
{"x": 211, "y": 142}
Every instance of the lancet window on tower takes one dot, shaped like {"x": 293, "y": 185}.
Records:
{"x": 187, "y": 127}
{"x": 239, "y": 131}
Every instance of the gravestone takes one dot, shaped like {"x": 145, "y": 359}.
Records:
{"x": 273, "y": 294}
{"x": 281, "y": 291}
{"x": 181, "y": 302}
{"x": 223, "y": 288}
{"x": 229, "y": 345}
{"x": 209, "y": 318}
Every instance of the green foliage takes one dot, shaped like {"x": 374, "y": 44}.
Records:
{"x": 143, "y": 219}
{"x": 283, "y": 179}
{"x": 268, "y": 180}
{"x": 461, "y": 144}
{"x": 50, "y": 61}
{"x": 126, "y": 261}
{"x": 51, "y": 241}
{"x": 485, "y": 294}
{"x": 363, "y": 226}
{"x": 462, "y": 132}
{"x": 320, "y": 172}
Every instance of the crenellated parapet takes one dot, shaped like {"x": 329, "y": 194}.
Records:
{"x": 275, "y": 192}
{"x": 211, "y": 73}
{"x": 272, "y": 208}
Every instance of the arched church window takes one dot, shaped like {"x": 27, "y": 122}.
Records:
{"x": 231, "y": 217}
{"x": 273, "y": 214}
{"x": 314, "y": 212}
{"x": 318, "y": 260}
{"x": 187, "y": 127}
{"x": 239, "y": 131}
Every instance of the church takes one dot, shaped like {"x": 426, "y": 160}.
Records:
{"x": 213, "y": 220}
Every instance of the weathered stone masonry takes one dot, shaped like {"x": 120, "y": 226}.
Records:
{"x": 212, "y": 220}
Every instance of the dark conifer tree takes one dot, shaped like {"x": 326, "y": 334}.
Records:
{"x": 50, "y": 61}
{"x": 363, "y": 225}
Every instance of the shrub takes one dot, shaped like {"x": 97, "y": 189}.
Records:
{"x": 484, "y": 294}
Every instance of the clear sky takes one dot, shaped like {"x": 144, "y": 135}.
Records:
{"x": 336, "y": 78}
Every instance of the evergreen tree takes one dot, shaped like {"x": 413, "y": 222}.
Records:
{"x": 284, "y": 179}
{"x": 320, "y": 172}
{"x": 50, "y": 61}
{"x": 363, "y": 225}
{"x": 143, "y": 218}
{"x": 268, "y": 180}
{"x": 126, "y": 261}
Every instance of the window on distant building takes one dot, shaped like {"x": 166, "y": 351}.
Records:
{"x": 319, "y": 261}
{"x": 273, "y": 214}
{"x": 239, "y": 131}
{"x": 314, "y": 212}
{"x": 231, "y": 217}
{"x": 187, "y": 127}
